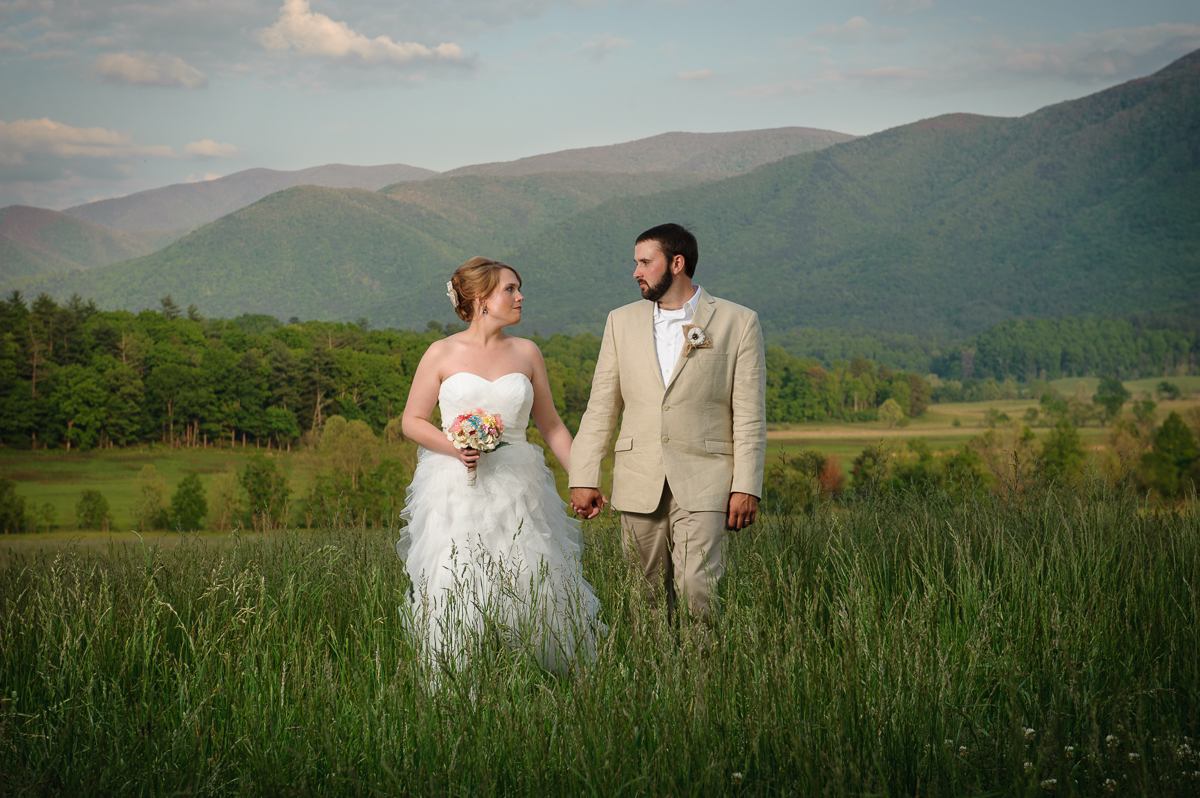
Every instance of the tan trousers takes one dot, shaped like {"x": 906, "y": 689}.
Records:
{"x": 680, "y": 551}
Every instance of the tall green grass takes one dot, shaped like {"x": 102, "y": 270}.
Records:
{"x": 892, "y": 646}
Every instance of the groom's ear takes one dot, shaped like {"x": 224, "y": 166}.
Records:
{"x": 678, "y": 264}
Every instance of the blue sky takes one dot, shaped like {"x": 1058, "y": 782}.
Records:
{"x": 100, "y": 98}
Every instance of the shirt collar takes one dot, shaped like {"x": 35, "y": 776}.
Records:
{"x": 689, "y": 309}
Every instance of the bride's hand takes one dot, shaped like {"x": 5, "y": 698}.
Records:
{"x": 468, "y": 457}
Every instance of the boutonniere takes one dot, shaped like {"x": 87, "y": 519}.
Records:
{"x": 694, "y": 337}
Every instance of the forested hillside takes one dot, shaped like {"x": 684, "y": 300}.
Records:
{"x": 345, "y": 253}
{"x": 186, "y": 206}
{"x": 718, "y": 153}
{"x": 1019, "y": 349}
{"x": 942, "y": 227}
{"x": 38, "y": 241}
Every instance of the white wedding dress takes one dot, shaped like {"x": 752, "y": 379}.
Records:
{"x": 501, "y": 557}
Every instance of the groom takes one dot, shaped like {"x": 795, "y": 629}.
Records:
{"x": 688, "y": 372}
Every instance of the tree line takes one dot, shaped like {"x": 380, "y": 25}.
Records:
{"x": 74, "y": 376}
{"x": 78, "y": 377}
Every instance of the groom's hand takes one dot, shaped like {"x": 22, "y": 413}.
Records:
{"x": 742, "y": 509}
{"x": 587, "y": 502}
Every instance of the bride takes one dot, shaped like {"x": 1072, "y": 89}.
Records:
{"x": 500, "y": 556}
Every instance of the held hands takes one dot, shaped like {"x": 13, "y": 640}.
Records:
{"x": 743, "y": 508}
{"x": 587, "y": 502}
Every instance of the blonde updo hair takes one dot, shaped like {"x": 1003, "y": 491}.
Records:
{"x": 477, "y": 278}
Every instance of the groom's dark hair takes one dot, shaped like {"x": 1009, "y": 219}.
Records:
{"x": 674, "y": 239}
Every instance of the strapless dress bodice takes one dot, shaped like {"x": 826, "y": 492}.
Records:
{"x": 510, "y": 397}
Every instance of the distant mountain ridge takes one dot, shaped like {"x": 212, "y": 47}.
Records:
{"x": 946, "y": 226}
{"x": 723, "y": 153}
{"x": 344, "y": 253}
{"x": 186, "y": 206}
{"x": 943, "y": 227}
{"x": 38, "y": 241}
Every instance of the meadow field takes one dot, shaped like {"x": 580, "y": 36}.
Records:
{"x": 56, "y": 476}
{"x": 951, "y": 425}
{"x": 1043, "y": 643}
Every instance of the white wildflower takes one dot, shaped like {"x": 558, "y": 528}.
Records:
{"x": 1029, "y": 734}
{"x": 1028, "y": 767}
{"x": 1069, "y": 752}
{"x": 737, "y": 778}
{"x": 1134, "y": 757}
{"x": 1050, "y": 784}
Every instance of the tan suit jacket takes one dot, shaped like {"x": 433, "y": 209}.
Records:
{"x": 704, "y": 432}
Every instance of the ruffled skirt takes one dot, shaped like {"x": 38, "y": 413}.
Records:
{"x": 501, "y": 556}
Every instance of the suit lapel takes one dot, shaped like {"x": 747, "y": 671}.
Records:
{"x": 644, "y": 341}
{"x": 704, "y": 312}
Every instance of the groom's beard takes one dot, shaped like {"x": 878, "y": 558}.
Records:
{"x": 655, "y": 292}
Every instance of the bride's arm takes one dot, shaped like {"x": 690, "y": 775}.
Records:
{"x": 544, "y": 415}
{"x": 422, "y": 398}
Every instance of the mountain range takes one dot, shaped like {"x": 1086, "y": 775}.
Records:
{"x": 39, "y": 241}
{"x": 944, "y": 226}
{"x": 728, "y": 153}
{"x": 186, "y": 206}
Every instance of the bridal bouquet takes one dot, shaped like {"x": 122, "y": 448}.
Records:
{"x": 478, "y": 430}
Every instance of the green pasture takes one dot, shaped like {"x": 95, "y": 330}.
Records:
{"x": 1140, "y": 388}
{"x": 57, "y": 477}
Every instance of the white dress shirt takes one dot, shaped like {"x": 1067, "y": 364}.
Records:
{"x": 668, "y": 333}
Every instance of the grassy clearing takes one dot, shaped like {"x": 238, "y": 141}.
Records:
{"x": 57, "y": 477}
{"x": 892, "y": 646}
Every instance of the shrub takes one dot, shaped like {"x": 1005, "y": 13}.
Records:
{"x": 267, "y": 492}
{"x": 1062, "y": 453}
{"x": 91, "y": 511}
{"x": 225, "y": 500}
{"x": 188, "y": 506}
{"x": 12, "y": 508}
{"x": 1173, "y": 458}
{"x": 891, "y": 413}
{"x": 151, "y": 509}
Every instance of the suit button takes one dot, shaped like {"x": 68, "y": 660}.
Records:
{"x": 665, "y": 439}
{"x": 666, "y": 407}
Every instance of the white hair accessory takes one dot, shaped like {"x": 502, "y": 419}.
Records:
{"x": 450, "y": 292}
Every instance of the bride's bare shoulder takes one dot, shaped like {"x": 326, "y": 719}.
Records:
{"x": 526, "y": 349}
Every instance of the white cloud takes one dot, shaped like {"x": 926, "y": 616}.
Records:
{"x": 8, "y": 45}
{"x": 210, "y": 149}
{"x": 308, "y": 33}
{"x": 42, "y": 150}
{"x": 699, "y": 74}
{"x": 148, "y": 69}
{"x": 671, "y": 48}
{"x": 599, "y": 47}
{"x": 27, "y": 139}
{"x": 191, "y": 178}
